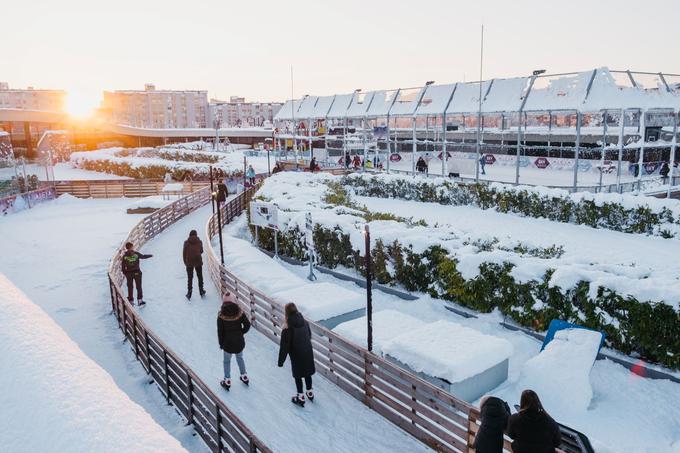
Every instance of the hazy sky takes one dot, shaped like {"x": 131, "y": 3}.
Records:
{"x": 246, "y": 48}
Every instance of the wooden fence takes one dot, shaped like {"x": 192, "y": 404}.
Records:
{"x": 117, "y": 188}
{"x": 220, "y": 428}
{"x": 435, "y": 417}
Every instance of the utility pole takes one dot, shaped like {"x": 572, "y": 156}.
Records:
{"x": 479, "y": 112}
{"x": 369, "y": 297}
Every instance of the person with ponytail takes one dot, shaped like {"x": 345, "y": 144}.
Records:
{"x": 232, "y": 325}
{"x": 296, "y": 342}
{"x": 532, "y": 430}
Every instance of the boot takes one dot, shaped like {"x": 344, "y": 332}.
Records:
{"x": 201, "y": 291}
{"x": 188, "y": 294}
{"x": 226, "y": 384}
{"x": 310, "y": 395}
{"x": 298, "y": 399}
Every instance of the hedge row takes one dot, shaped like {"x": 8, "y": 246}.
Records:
{"x": 648, "y": 329}
{"x": 616, "y": 212}
{"x": 153, "y": 171}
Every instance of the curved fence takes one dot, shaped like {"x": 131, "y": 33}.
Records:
{"x": 220, "y": 428}
{"x": 433, "y": 416}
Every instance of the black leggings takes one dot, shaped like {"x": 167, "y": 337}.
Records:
{"x": 308, "y": 383}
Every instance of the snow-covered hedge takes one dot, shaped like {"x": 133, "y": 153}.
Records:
{"x": 530, "y": 284}
{"x": 625, "y": 213}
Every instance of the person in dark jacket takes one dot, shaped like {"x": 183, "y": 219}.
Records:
{"x": 191, "y": 254}
{"x": 421, "y": 165}
{"x": 132, "y": 272}
{"x": 313, "y": 165}
{"x": 232, "y": 325}
{"x": 348, "y": 160}
{"x": 296, "y": 342}
{"x": 665, "y": 169}
{"x": 532, "y": 429}
{"x": 494, "y": 417}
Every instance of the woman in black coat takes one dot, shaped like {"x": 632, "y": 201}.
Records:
{"x": 494, "y": 417}
{"x": 296, "y": 342}
{"x": 532, "y": 429}
{"x": 232, "y": 325}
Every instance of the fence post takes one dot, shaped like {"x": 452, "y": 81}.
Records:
{"x": 134, "y": 335}
{"x": 472, "y": 420}
{"x": 124, "y": 325}
{"x": 368, "y": 390}
{"x": 166, "y": 376}
{"x": 148, "y": 354}
{"x": 190, "y": 392}
{"x": 218, "y": 428}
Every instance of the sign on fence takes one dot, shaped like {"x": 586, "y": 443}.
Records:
{"x": 264, "y": 214}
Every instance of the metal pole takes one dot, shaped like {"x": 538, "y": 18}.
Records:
{"x": 276, "y": 243}
{"x": 622, "y": 123}
{"x": 479, "y": 112}
{"x": 389, "y": 145}
{"x": 212, "y": 189}
{"x": 269, "y": 170}
{"x": 576, "y": 149}
{"x": 519, "y": 146}
{"x": 642, "y": 148}
{"x": 219, "y": 229}
{"x": 344, "y": 145}
{"x": 445, "y": 160}
{"x": 673, "y": 146}
{"x": 369, "y": 297}
{"x": 414, "y": 148}
{"x": 365, "y": 140}
{"x": 604, "y": 146}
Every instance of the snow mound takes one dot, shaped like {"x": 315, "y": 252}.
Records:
{"x": 55, "y": 398}
{"x": 387, "y": 324}
{"x": 67, "y": 199}
{"x": 560, "y": 374}
{"x": 448, "y": 350}
{"x": 155, "y": 201}
{"x": 319, "y": 301}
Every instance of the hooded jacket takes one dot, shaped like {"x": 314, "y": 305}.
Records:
{"x": 296, "y": 342}
{"x": 193, "y": 248}
{"x": 232, "y": 325}
{"x": 130, "y": 261}
{"x": 494, "y": 416}
{"x": 533, "y": 432}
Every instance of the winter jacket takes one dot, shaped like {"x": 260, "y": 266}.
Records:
{"x": 665, "y": 169}
{"x": 130, "y": 261}
{"x": 231, "y": 327}
{"x": 494, "y": 415}
{"x": 250, "y": 173}
{"x": 296, "y": 341}
{"x": 533, "y": 432}
{"x": 421, "y": 165}
{"x": 193, "y": 248}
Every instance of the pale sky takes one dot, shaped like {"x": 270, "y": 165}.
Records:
{"x": 246, "y": 48}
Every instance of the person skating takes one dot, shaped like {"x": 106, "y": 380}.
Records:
{"x": 665, "y": 169}
{"x": 232, "y": 325}
{"x": 532, "y": 429}
{"x": 250, "y": 174}
{"x": 191, "y": 254}
{"x": 494, "y": 417}
{"x": 312, "y": 165}
{"x": 296, "y": 342}
{"x": 482, "y": 163}
{"x": 132, "y": 272}
{"x": 421, "y": 165}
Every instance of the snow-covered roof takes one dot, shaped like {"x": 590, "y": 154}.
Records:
{"x": 407, "y": 102}
{"x": 306, "y": 109}
{"x": 435, "y": 99}
{"x": 466, "y": 97}
{"x": 340, "y": 105}
{"x": 286, "y": 112}
{"x": 360, "y": 104}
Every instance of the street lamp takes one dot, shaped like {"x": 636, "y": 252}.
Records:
{"x": 219, "y": 224}
{"x": 212, "y": 189}
{"x": 369, "y": 298}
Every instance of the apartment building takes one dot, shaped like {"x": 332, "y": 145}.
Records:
{"x": 236, "y": 112}
{"x": 157, "y": 109}
{"x": 32, "y": 99}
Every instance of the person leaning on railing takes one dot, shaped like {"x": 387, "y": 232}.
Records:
{"x": 132, "y": 272}
{"x": 532, "y": 429}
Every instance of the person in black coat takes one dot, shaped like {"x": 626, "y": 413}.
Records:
{"x": 296, "y": 342}
{"x": 532, "y": 429}
{"x": 191, "y": 254}
{"x": 421, "y": 165}
{"x": 494, "y": 417}
{"x": 132, "y": 271}
{"x": 232, "y": 325}
{"x": 665, "y": 169}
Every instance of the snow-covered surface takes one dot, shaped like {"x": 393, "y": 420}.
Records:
{"x": 387, "y": 324}
{"x": 448, "y": 350}
{"x": 55, "y": 398}
{"x": 173, "y": 187}
{"x": 154, "y": 201}
{"x": 57, "y": 254}
{"x": 335, "y": 422}
{"x": 561, "y": 372}
{"x": 319, "y": 301}
{"x": 63, "y": 171}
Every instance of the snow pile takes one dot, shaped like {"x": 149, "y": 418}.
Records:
{"x": 319, "y": 301}
{"x": 560, "y": 374}
{"x": 173, "y": 187}
{"x": 55, "y": 398}
{"x": 387, "y": 324}
{"x": 448, "y": 350}
{"x": 154, "y": 202}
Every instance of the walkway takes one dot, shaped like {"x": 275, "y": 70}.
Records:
{"x": 335, "y": 422}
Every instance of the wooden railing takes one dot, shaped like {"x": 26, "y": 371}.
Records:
{"x": 116, "y": 188}
{"x": 435, "y": 417}
{"x": 220, "y": 428}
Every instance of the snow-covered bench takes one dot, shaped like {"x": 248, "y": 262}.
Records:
{"x": 460, "y": 360}
{"x": 387, "y": 324}
{"x": 326, "y": 303}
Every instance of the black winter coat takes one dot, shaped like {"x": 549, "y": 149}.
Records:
{"x": 230, "y": 331}
{"x": 193, "y": 248}
{"x": 494, "y": 416}
{"x": 296, "y": 341}
{"x": 130, "y": 261}
{"x": 533, "y": 432}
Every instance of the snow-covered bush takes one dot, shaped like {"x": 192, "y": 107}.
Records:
{"x": 625, "y": 213}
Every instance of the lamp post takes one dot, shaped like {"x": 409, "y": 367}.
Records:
{"x": 212, "y": 189}
{"x": 219, "y": 225}
{"x": 369, "y": 298}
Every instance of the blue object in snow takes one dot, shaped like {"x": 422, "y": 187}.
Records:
{"x": 557, "y": 325}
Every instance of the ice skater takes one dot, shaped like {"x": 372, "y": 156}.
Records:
{"x": 482, "y": 163}
{"x": 296, "y": 342}
{"x": 250, "y": 174}
{"x": 191, "y": 254}
{"x": 132, "y": 272}
{"x": 232, "y": 325}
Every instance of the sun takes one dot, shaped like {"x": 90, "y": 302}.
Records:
{"x": 80, "y": 104}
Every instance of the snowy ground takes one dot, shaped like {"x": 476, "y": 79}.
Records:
{"x": 63, "y": 171}
{"x": 58, "y": 254}
{"x": 335, "y": 422}
{"x": 69, "y": 402}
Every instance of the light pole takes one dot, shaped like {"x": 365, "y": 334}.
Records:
{"x": 219, "y": 225}
{"x": 369, "y": 298}
{"x": 269, "y": 145}
{"x": 212, "y": 189}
